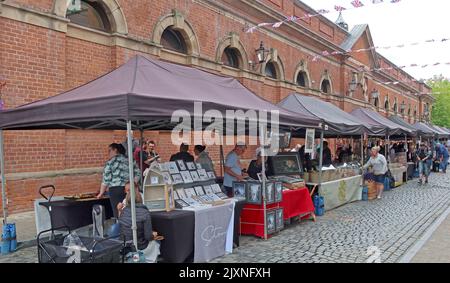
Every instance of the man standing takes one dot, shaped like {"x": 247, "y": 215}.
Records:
{"x": 442, "y": 155}
{"x": 183, "y": 154}
{"x": 233, "y": 168}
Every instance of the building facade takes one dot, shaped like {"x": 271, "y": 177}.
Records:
{"x": 50, "y": 46}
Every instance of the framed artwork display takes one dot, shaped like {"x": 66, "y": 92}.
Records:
{"x": 211, "y": 175}
{"x": 191, "y": 166}
{"x": 190, "y": 192}
{"x": 203, "y": 175}
{"x": 279, "y": 221}
{"x": 167, "y": 178}
{"x": 181, "y": 165}
{"x": 270, "y": 192}
{"x": 177, "y": 179}
{"x": 216, "y": 188}
{"x": 254, "y": 193}
{"x": 173, "y": 168}
{"x": 278, "y": 191}
{"x": 187, "y": 178}
{"x": 199, "y": 166}
{"x": 239, "y": 189}
{"x": 179, "y": 203}
{"x": 199, "y": 191}
{"x": 181, "y": 193}
{"x": 195, "y": 176}
{"x": 208, "y": 190}
{"x": 270, "y": 222}
{"x": 222, "y": 195}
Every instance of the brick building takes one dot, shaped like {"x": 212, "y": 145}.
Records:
{"x": 49, "y": 46}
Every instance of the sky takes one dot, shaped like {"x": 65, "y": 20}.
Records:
{"x": 408, "y": 21}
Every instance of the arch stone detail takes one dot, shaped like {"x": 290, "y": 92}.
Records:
{"x": 326, "y": 76}
{"x": 273, "y": 56}
{"x": 115, "y": 13}
{"x": 179, "y": 23}
{"x": 303, "y": 67}
{"x": 232, "y": 40}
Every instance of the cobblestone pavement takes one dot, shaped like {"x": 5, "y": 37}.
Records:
{"x": 392, "y": 224}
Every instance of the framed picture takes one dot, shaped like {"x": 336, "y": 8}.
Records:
{"x": 208, "y": 190}
{"x": 179, "y": 203}
{"x": 173, "y": 168}
{"x": 214, "y": 197}
{"x": 164, "y": 167}
{"x": 270, "y": 192}
{"x": 191, "y": 166}
{"x": 191, "y": 201}
{"x": 190, "y": 192}
{"x": 211, "y": 175}
{"x": 199, "y": 191}
{"x": 279, "y": 221}
{"x": 154, "y": 180}
{"x": 216, "y": 188}
{"x": 222, "y": 195}
{"x": 203, "y": 175}
{"x": 177, "y": 179}
{"x": 181, "y": 165}
{"x": 278, "y": 191}
{"x": 175, "y": 195}
{"x": 239, "y": 189}
{"x": 199, "y": 166}
{"x": 181, "y": 193}
{"x": 195, "y": 176}
{"x": 186, "y": 175}
{"x": 309, "y": 140}
{"x": 254, "y": 193}
{"x": 270, "y": 222}
{"x": 167, "y": 178}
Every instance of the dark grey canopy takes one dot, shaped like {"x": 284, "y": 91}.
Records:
{"x": 369, "y": 117}
{"x": 441, "y": 133}
{"x": 400, "y": 121}
{"x": 339, "y": 122}
{"x": 147, "y": 92}
{"x": 425, "y": 129}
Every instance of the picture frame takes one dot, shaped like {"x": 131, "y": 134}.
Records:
{"x": 208, "y": 190}
{"x": 173, "y": 168}
{"x": 170, "y": 203}
{"x": 167, "y": 178}
{"x": 216, "y": 188}
{"x": 309, "y": 140}
{"x": 164, "y": 167}
{"x": 191, "y": 166}
{"x": 199, "y": 166}
{"x": 271, "y": 222}
{"x": 222, "y": 195}
{"x": 240, "y": 190}
{"x": 279, "y": 219}
{"x": 191, "y": 201}
{"x": 175, "y": 195}
{"x": 199, "y": 190}
{"x": 187, "y": 178}
{"x": 278, "y": 192}
{"x": 214, "y": 197}
{"x": 270, "y": 192}
{"x": 195, "y": 176}
{"x": 179, "y": 203}
{"x": 154, "y": 180}
{"x": 203, "y": 175}
{"x": 177, "y": 179}
{"x": 190, "y": 192}
{"x": 181, "y": 193}
{"x": 211, "y": 175}
{"x": 181, "y": 165}
{"x": 254, "y": 193}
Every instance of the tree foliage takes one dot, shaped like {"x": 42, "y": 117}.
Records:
{"x": 441, "y": 107}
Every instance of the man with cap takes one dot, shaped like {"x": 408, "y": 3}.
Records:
{"x": 255, "y": 166}
{"x": 233, "y": 169}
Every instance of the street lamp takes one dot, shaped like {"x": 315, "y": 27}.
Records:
{"x": 403, "y": 107}
{"x": 261, "y": 53}
{"x": 354, "y": 83}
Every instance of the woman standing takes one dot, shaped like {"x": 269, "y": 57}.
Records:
{"x": 424, "y": 156}
{"x": 203, "y": 158}
{"x": 379, "y": 165}
{"x": 116, "y": 175}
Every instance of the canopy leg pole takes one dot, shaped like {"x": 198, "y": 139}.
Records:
{"x": 132, "y": 189}
{"x": 141, "y": 165}
{"x": 362, "y": 150}
{"x": 2, "y": 164}
{"x": 263, "y": 174}
{"x": 320, "y": 159}
{"x": 222, "y": 160}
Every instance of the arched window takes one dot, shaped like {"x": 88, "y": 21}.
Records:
{"x": 386, "y": 105}
{"x": 325, "y": 87}
{"x": 90, "y": 14}
{"x": 230, "y": 57}
{"x": 395, "y": 107}
{"x": 302, "y": 79}
{"x": 173, "y": 40}
{"x": 376, "y": 102}
{"x": 409, "y": 111}
{"x": 271, "y": 70}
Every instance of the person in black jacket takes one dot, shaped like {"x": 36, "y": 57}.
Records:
{"x": 183, "y": 154}
{"x": 326, "y": 154}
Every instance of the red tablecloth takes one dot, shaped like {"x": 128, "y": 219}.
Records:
{"x": 297, "y": 202}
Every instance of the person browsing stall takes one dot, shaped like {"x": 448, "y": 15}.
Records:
{"x": 379, "y": 165}
{"x": 442, "y": 156}
{"x": 326, "y": 156}
{"x": 116, "y": 175}
{"x": 255, "y": 166}
{"x": 203, "y": 158}
{"x": 424, "y": 156}
{"x": 233, "y": 169}
{"x": 183, "y": 154}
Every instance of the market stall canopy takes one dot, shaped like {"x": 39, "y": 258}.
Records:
{"x": 425, "y": 129}
{"x": 441, "y": 133}
{"x": 396, "y": 119}
{"x": 147, "y": 92}
{"x": 371, "y": 118}
{"x": 339, "y": 122}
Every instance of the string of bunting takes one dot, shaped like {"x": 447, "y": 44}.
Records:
{"x": 326, "y": 53}
{"x": 412, "y": 66}
{"x": 355, "y": 3}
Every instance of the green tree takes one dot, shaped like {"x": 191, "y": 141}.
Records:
{"x": 441, "y": 108}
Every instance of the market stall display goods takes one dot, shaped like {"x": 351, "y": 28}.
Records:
{"x": 181, "y": 165}
{"x": 195, "y": 176}
{"x": 270, "y": 192}
{"x": 278, "y": 191}
{"x": 177, "y": 179}
{"x": 216, "y": 188}
{"x": 181, "y": 203}
{"x": 181, "y": 193}
{"x": 279, "y": 219}
{"x": 209, "y": 190}
{"x": 239, "y": 190}
{"x": 211, "y": 175}
{"x": 254, "y": 193}
{"x": 271, "y": 222}
{"x": 187, "y": 178}
{"x": 190, "y": 192}
{"x": 173, "y": 168}
{"x": 191, "y": 166}
{"x": 167, "y": 178}
{"x": 203, "y": 175}
{"x": 199, "y": 190}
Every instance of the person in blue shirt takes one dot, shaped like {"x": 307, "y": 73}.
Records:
{"x": 233, "y": 168}
{"x": 442, "y": 155}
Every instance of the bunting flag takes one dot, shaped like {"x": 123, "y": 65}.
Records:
{"x": 355, "y": 3}
{"x": 403, "y": 45}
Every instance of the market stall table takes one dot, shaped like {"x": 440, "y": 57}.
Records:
{"x": 75, "y": 213}
{"x": 178, "y": 226}
{"x": 341, "y": 191}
